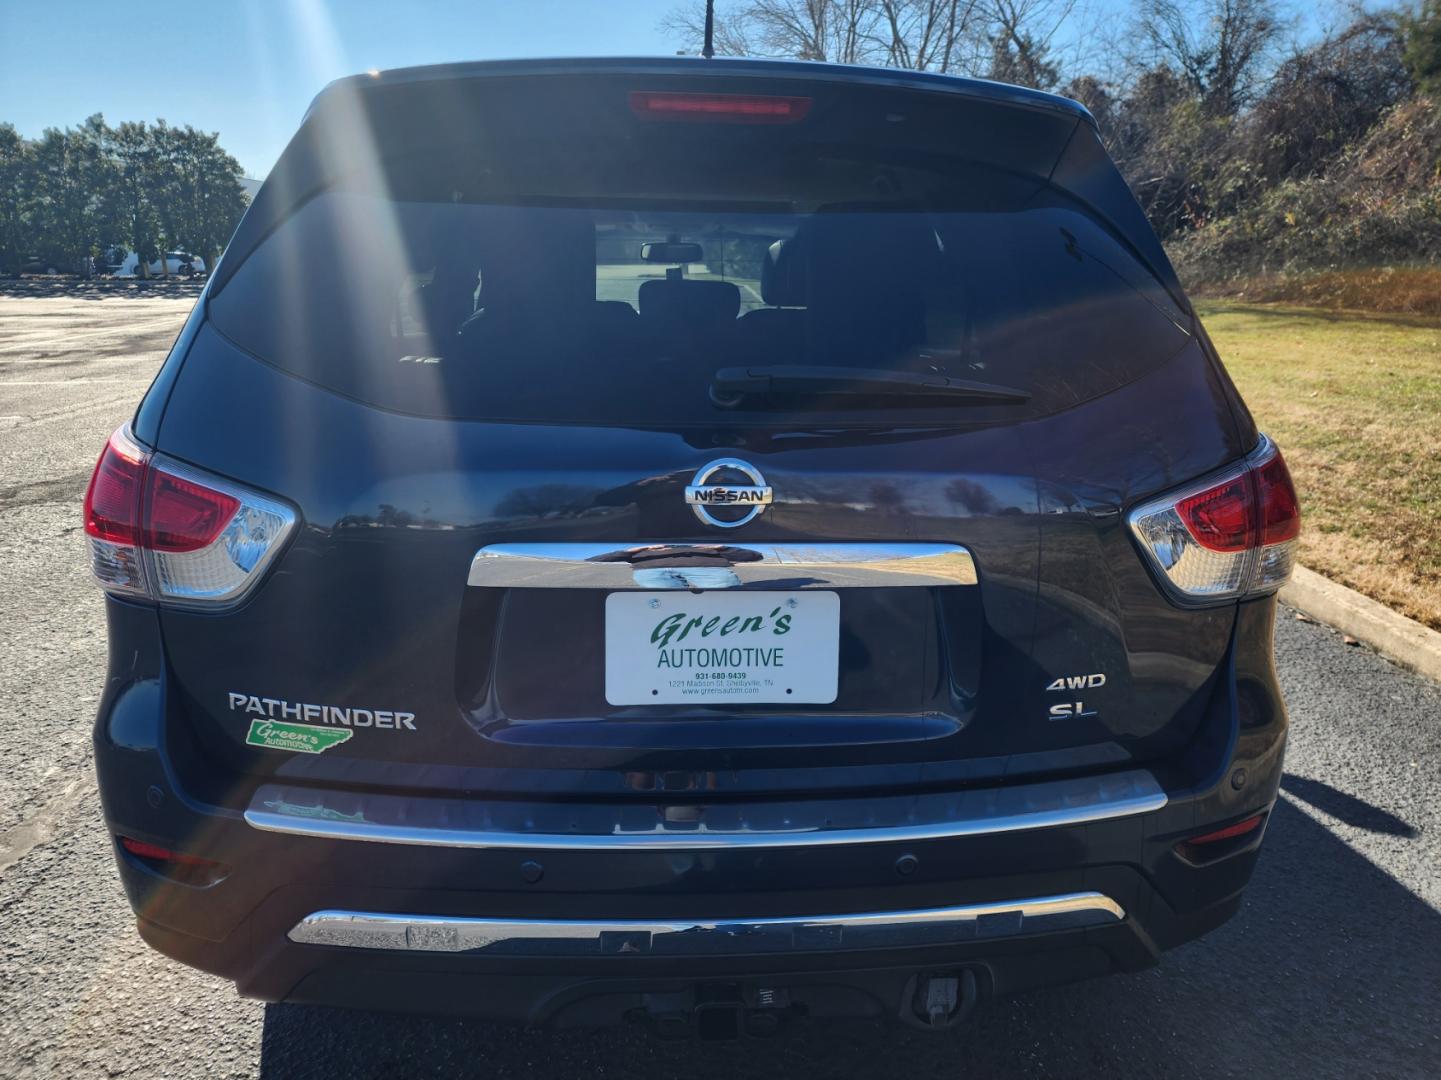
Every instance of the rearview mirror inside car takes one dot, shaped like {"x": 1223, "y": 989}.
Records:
{"x": 672, "y": 252}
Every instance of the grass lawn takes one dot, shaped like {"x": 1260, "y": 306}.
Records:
{"x": 1354, "y": 400}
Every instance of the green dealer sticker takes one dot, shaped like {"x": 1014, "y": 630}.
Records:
{"x": 300, "y": 738}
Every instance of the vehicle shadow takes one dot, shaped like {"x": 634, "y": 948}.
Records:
{"x": 1346, "y": 808}
{"x": 1332, "y": 968}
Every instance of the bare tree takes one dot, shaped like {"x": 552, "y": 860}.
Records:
{"x": 1224, "y": 49}
{"x": 932, "y": 35}
{"x": 834, "y": 30}
{"x": 1021, "y": 32}
{"x": 926, "y": 35}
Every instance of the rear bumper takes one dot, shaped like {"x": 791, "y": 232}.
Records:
{"x": 457, "y": 917}
{"x": 813, "y": 971}
{"x": 578, "y": 927}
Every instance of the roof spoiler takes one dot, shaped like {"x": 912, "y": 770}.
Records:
{"x": 1023, "y": 131}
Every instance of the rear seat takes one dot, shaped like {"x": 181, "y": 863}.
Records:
{"x": 848, "y": 289}
{"x": 537, "y": 305}
{"x": 680, "y": 316}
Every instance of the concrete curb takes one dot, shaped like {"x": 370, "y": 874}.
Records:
{"x": 1399, "y": 639}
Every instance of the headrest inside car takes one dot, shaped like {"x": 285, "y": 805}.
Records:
{"x": 692, "y": 302}
{"x": 782, "y": 284}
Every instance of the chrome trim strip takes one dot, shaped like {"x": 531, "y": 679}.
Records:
{"x": 717, "y": 566}
{"x": 501, "y": 824}
{"x": 673, "y": 937}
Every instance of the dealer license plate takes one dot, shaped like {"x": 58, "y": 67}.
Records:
{"x": 715, "y": 648}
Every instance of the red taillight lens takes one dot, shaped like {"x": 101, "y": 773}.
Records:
{"x": 1279, "y": 508}
{"x": 184, "y": 516}
{"x": 163, "y": 530}
{"x": 1226, "y": 537}
{"x": 1220, "y": 519}
{"x": 719, "y": 108}
{"x": 131, "y": 502}
{"x": 112, "y": 501}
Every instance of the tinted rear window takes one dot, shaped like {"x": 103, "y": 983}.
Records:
{"x": 432, "y": 302}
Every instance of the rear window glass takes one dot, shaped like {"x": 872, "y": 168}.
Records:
{"x": 622, "y": 314}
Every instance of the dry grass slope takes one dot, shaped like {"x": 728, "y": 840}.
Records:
{"x": 1407, "y": 290}
{"x": 1353, "y": 399}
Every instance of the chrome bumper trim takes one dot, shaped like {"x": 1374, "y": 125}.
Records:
{"x": 720, "y": 566}
{"x": 687, "y": 937}
{"x": 471, "y": 823}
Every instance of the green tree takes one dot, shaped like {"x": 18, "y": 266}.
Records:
{"x": 70, "y": 170}
{"x": 205, "y": 197}
{"x": 76, "y": 193}
{"x": 16, "y": 169}
{"x": 1423, "y": 47}
{"x": 192, "y": 187}
{"x": 136, "y": 224}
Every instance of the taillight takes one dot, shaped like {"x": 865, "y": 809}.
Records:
{"x": 113, "y": 497}
{"x": 112, "y": 515}
{"x": 164, "y": 530}
{"x": 719, "y": 108}
{"x": 1227, "y": 536}
{"x": 184, "y": 516}
{"x": 1220, "y": 518}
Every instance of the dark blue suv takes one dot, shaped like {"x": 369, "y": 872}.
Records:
{"x": 692, "y": 542}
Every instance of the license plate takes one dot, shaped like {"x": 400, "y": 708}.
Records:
{"x": 716, "y": 648}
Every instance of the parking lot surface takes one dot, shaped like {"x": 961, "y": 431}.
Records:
{"x": 1332, "y": 968}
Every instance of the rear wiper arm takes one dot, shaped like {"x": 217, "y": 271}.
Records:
{"x": 729, "y": 385}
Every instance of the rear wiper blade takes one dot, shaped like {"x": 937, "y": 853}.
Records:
{"x": 729, "y": 385}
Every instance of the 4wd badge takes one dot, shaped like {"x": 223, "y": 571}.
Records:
{"x": 1078, "y": 682}
{"x": 1074, "y": 710}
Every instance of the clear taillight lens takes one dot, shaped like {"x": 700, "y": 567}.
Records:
{"x": 1230, "y": 535}
{"x": 164, "y": 530}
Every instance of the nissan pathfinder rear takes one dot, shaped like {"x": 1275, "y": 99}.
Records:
{"x": 700, "y": 543}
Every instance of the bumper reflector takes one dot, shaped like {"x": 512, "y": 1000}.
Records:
{"x": 1214, "y": 844}
{"x": 186, "y": 869}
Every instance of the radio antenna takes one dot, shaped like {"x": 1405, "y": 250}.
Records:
{"x": 708, "y": 49}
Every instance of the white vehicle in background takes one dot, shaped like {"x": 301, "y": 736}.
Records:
{"x": 177, "y": 264}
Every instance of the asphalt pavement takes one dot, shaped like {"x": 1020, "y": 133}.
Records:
{"x": 1331, "y": 969}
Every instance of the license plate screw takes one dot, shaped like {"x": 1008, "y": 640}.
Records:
{"x": 654, "y": 602}
{"x": 791, "y": 602}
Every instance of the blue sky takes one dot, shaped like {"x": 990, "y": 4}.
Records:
{"x": 248, "y": 68}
